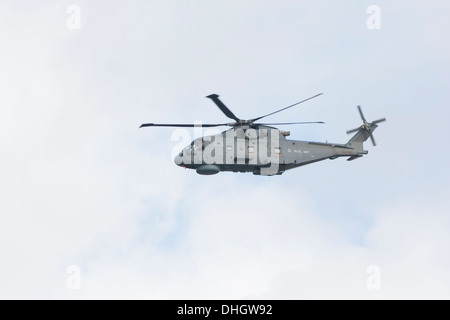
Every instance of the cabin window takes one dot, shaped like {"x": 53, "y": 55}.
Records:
{"x": 262, "y": 133}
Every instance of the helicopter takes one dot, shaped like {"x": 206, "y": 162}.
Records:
{"x": 261, "y": 148}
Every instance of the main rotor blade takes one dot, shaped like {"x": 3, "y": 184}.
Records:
{"x": 362, "y": 116}
{"x": 379, "y": 120}
{"x": 225, "y": 110}
{"x": 372, "y": 138}
{"x": 256, "y": 119}
{"x": 182, "y": 125}
{"x": 288, "y": 123}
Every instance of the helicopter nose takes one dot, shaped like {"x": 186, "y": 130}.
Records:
{"x": 178, "y": 161}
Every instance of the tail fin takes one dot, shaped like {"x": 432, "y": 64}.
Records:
{"x": 364, "y": 133}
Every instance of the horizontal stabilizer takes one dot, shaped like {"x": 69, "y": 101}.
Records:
{"x": 354, "y": 157}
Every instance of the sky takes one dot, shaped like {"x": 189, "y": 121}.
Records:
{"x": 92, "y": 207}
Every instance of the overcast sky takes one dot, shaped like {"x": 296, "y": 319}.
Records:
{"x": 83, "y": 189}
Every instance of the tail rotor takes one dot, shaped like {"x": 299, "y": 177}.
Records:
{"x": 369, "y": 127}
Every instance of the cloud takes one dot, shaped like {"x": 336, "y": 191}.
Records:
{"x": 277, "y": 248}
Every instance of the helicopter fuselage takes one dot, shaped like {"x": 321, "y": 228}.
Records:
{"x": 262, "y": 150}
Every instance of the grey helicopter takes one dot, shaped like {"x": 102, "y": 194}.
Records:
{"x": 261, "y": 148}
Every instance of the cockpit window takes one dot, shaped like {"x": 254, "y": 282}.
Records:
{"x": 196, "y": 144}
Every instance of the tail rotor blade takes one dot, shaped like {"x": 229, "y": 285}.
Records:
{"x": 353, "y": 130}
{"x": 362, "y": 116}
{"x": 372, "y": 138}
{"x": 379, "y": 120}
